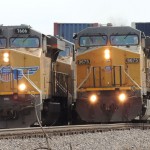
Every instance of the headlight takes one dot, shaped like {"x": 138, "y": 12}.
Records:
{"x": 122, "y": 97}
{"x": 6, "y": 57}
{"x": 22, "y": 87}
{"x": 6, "y": 54}
{"x": 93, "y": 98}
{"x": 107, "y": 54}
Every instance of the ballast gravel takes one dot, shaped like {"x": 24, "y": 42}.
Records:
{"x": 134, "y": 139}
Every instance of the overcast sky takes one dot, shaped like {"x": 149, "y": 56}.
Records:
{"x": 41, "y": 14}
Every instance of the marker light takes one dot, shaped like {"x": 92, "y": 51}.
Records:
{"x": 122, "y": 97}
{"x": 107, "y": 54}
{"x": 93, "y": 98}
{"x": 6, "y": 57}
{"x": 22, "y": 87}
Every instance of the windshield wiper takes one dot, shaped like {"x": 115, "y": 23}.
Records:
{"x": 14, "y": 39}
{"x": 26, "y": 38}
{"x": 127, "y": 35}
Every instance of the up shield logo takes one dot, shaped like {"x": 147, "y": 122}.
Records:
{"x": 7, "y": 73}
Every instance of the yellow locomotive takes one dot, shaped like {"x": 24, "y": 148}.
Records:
{"x": 108, "y": 74}
{"x": 29, "y": 81}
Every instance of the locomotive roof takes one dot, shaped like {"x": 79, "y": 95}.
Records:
{"x": 6, "y": 30}
{"x": 108, "y": 30}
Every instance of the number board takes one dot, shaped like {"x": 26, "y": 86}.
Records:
{"x": 22, "y": 31}
{"x": 83, "y": 62}
{"x": 132, "y": 60}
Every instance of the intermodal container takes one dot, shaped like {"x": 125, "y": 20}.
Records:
{"x": 142, "y": 26}
{"x": 66, "y": 30}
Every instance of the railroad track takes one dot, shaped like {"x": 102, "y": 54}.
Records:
{"x": 23, "y": 133}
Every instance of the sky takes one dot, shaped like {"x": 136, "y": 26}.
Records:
{"x": 41, "y": 14}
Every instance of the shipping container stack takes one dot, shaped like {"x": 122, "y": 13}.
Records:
{"x": 142, "y": 26}
{"x": 66, "y": 30}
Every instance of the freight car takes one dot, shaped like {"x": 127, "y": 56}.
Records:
{"x": 109, "y": 74}
{"x": 31, "y": 88}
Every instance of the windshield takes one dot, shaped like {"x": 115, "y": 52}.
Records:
{"x": 66, "y": 52}
{"x": 123, "y": 40}
{"x": 2, "y": 42}
{"x": 87, "y": 41}
{"x": 28, "y": 42}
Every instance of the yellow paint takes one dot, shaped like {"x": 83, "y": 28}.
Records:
{"x": 41, "y": 78}
{"x": 11, "y": 93}
{"x": 104, "y": 89}
{"x": 104, "y": 79}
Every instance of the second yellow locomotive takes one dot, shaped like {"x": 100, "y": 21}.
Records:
{"x": 108, "y": 74}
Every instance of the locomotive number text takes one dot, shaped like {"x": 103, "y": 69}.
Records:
{"x": 83, "y": 62}
{"x": 132, "y": 60}
{"x": 22, "y": 31}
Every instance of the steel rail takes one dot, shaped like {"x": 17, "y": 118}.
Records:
{"x": 34, "y": 132}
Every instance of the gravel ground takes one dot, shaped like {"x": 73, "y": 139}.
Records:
{"x": 135, "y": 139}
